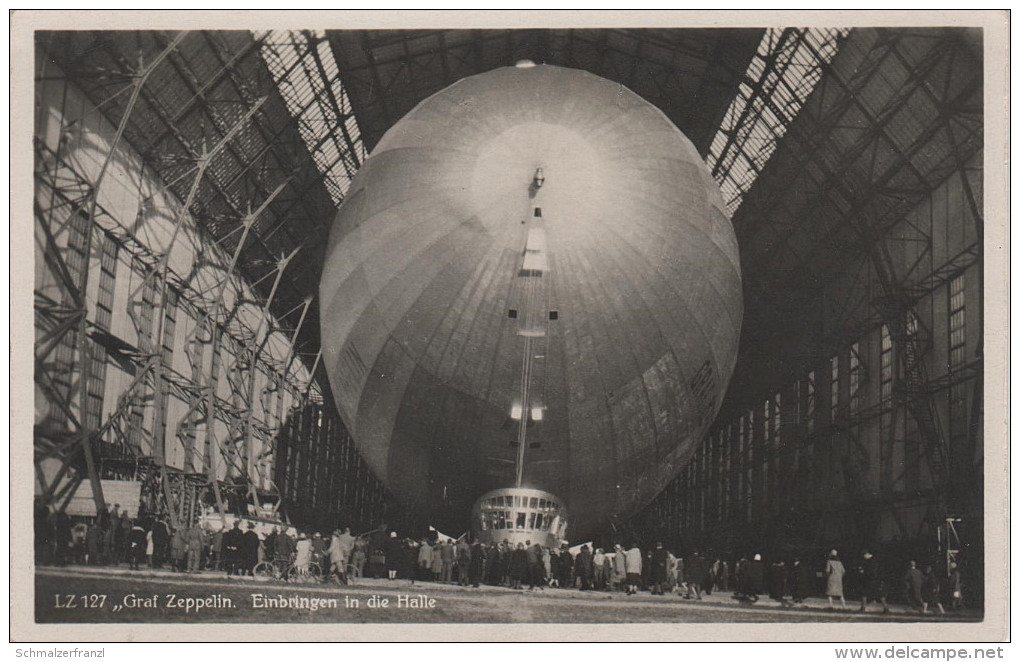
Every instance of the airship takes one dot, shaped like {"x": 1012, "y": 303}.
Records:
{"x": 531, "y": 305}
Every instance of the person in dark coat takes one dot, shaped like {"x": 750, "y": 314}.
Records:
{"x": 518, "y": 565}
{"x": 93, "y": 544}
{"x": 160, "y": 543}
{"x": 136, "y": 543}
{"x": 123, "y": 536}
{"x": 284, "y": 548}
{"x": 232, "y": 541}
{"x": 931, "y": 591}
{"x": 694, "y": 575}
{"x": 740, "y": 578}
{"x": 394, "y": 553}
{"x": 249, "y": 550}
{"x": 800, "y": 581}
{"x": 955, "y": 587}
{"x": 872, "y": 585}
{"x": 584, "y": 567}
{"x": 44, "y": 533}
{"x": 463, "y": 561}
{"x": 409, "y": 558}
{"x": 657, "y": 574}
{"x": 755, "y": 578}
{"x": 476, "y": 563}
{"x": 534, "y": 565}
{"x": 62, "y": 536}
{"x": 319, "y": 555}
{"x": 498, "y": 565}
{"x": 777, "y": 582}
{"x": 914, "y": 581}
{"x": 566, "y": 567}
{"x": 270, "y": 542}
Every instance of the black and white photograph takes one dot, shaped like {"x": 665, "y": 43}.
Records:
{"x": 676, "y": 320}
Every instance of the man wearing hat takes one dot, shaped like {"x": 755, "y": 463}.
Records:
{"x": 872, "y": 585}
{"x": 394, "y": 550}
{"x": 755, "y": 578}
{"x": 249, "y": 550}
{"x": 955, "y": 587}
{"x": 658, "y": 574}
{"x": 319, "y": 551}
{"x": 283, "y": 546}
{"x": 232, "y": 540}
{"x": 303, "y": 554}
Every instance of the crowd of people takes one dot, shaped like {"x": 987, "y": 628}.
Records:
{"x": 115, "y": 538}
{"x": 629, "y": 570}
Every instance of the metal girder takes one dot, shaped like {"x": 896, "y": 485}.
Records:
{"x": 835, "y": 179}
{"x": 54, "y": 319}
{"x": 52, "y": 251}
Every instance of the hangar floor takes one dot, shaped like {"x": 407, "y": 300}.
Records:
{"x": 104, "y": 595}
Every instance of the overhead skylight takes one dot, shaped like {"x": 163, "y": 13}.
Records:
{"x": 307, "y": 76}
{"x": 779, "y": 79}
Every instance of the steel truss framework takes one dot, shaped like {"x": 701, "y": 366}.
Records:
{"x": 894, "y": 117}
{"x": 691, "y": 75}
{"x": 212, "y": 153}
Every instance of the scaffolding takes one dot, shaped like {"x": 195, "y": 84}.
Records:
{"x": 174, "y": 316}
{"x": 872, "y": 193}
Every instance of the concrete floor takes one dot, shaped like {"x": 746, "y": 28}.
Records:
{"x": 166, "y": 597}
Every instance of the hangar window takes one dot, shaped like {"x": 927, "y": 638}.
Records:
{"x": 76, "y": 262}
{"x": 885, "y": 421}
{"x": 957, "y": 356}
{"x": 855, "y": 378}
{"x": 957, "y": 323}
{"x": 887, "y": 365}
{"x": 554, "y": 315}
{"x": 809, "y": 401}
{"x": 107, "y": 280}
{"x": 777, "y": 420}
{"x": 834, "y": 387}
{"x": 321, "y": 109}
{"x": 778, "y": 80}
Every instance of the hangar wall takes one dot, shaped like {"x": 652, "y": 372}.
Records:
{"x": 167, "y": 345}
{"x": 856, "y": 421}
{"x": 826, "y": 451}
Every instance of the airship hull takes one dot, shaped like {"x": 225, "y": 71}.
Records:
{"x": 481, "y": 330}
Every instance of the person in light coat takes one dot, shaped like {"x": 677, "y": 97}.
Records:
{"x": 437, "y": 561}
{"x": 834, "y": 572}
{"x": 150, "y": 547}
{"x": 337, "y": 553}
{"x": 448, "y": 553}
{"x": 303, "y": 554}
{"x": 619, "y": 568}
{"x": 425, "y": 560}
{"x": 195, "y": 539}
{"x": 599, "y": 566}
{"x": 632, "y": 561}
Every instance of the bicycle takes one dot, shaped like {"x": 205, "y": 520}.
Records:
{"x": 286, "y": 570}
{"x": 347, "y": 578}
